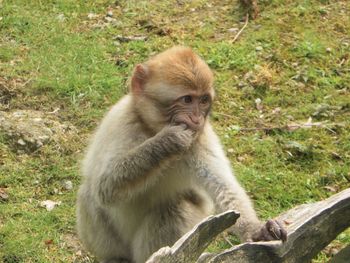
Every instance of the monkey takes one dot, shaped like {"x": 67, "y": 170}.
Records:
{"x": 155, "y": 167}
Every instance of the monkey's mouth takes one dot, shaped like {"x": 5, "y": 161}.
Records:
{"x": 186, "y": 120}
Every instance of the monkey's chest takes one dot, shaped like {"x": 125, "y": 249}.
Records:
{"x": 172, "y": 181}
{"x": 167, "y": 190}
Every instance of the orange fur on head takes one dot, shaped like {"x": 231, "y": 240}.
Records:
{"x": 166, "y": 77}
{"x": 178, "y": 67}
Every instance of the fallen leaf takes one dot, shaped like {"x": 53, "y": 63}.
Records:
{"x": 230, "y": 150}
{"x": 49, "y": 205}
{"x": 287, "y": 222}
{"x": 330, "y": 188}
{"x": 336, "y": 155}
{"x": 48, "y": 242}
{"x": 258, "y": 104}
{"x": 130, "y": 38}
{"x": 3, "y": 195}
{"x": 67, "y": 185}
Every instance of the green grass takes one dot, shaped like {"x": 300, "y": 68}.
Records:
{"x": 294, "y": 57}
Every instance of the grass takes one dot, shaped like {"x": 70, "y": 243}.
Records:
{"x": 294, "y": 57}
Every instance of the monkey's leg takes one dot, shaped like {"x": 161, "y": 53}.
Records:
{"x": 98, "y": 234}
{"x": 164, "y": 227}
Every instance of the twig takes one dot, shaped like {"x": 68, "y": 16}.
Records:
{"x": 228, "y": 241}
{"x": 292, "y": 127}
{"x": 25, "y": 83}
{"x": 124, "y": 39}
{"x": 240, "y": 31}
{"x": 223, "y": 114}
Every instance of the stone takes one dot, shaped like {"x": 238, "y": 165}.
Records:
{"x": 29, "y": 130}
{"x": 67, "y": 185}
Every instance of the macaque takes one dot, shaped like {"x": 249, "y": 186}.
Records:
{"x": 155, "y": 167}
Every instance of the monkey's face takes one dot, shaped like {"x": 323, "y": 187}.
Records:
{"x": 191, "y": 110}
{"x": 175, "y": 87}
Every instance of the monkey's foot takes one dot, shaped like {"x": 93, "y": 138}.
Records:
{"x": 272, "y": 230}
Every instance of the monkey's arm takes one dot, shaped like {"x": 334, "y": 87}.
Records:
{"x": 228, "y": 194}
{"x": 125, "y": 175}
{"x": 217, "y": 177}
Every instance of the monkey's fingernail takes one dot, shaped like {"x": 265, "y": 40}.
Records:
{"x": 274, "y": 233}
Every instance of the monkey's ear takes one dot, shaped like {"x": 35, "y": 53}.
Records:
{"x": 138, "y": 79}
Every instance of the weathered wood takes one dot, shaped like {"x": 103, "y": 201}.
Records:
{"x": 310, "y": 228}
{"x": 191, "y": 245}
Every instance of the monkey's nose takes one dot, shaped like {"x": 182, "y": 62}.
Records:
{"x": 194, "y": 119}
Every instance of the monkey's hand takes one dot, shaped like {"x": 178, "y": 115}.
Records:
{"x": 272, "y": 230}
{"x": 176, "y": 138}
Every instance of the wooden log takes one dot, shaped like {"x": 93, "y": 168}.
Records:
{"x": 310, "y": 228}
{"x": 191, "y": 245}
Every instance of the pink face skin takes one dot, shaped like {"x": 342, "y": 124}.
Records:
{"x": 190, "y": 110}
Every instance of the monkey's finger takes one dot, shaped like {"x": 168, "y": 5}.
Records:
{"x": 283, "y": 231}
{"x": 263, "y": 234}
{"x": 276, "y": 230}
{"x": 266, "y": 234}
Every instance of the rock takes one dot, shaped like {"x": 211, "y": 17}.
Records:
{"x": 92, "y": 16}
{"x": 61, "y": 18}
{"x": 21, "y": 142}
{"x": 258, "y": 104}
{"x": 67, "y": 185}
{"x": 28, "y": 130}
{"x": 110, "y": 19}
{"x": 241, "y": 84}
{"x": 3, "y": 194}
{"x": 49, "y": 205}
{"x": 233, "y": 30}
{"x": 276, "y": 110}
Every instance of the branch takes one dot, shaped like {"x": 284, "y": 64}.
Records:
{"x": 310, "y": 228}
{"x": 240, "y": 31}
{"x": 191, "y": 245}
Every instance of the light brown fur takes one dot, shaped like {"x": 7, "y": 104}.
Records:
{"x": 155, "y": 166}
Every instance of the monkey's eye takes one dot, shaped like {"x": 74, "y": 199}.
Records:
{"x": 186, "y": 99}
{"x": 205, "y": 99}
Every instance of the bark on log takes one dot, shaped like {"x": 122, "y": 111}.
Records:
{"x": 191, "y": 245}
{"x": 310, "y": 228}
